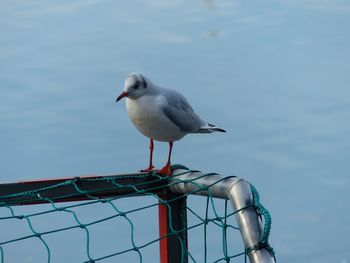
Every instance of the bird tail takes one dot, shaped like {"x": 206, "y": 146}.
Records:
{"x": 209, "y": 128}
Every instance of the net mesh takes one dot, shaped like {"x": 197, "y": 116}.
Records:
{"x": 110, "y": 228}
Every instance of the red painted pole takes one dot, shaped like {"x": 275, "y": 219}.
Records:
{"x": 163, "y": 231}
{"x": 172, "y": 245}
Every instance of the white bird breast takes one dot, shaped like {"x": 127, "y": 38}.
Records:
{"x": 148, "y": 117}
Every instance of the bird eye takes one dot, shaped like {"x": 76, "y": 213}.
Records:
{"x": 137, "y": 85}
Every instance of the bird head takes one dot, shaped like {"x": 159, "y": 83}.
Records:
{"x": 134, "y": 87}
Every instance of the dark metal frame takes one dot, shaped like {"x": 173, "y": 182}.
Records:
{"x": 96, "y": 186}
{"x": 173, "y": 247}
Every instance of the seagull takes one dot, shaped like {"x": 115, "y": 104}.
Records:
{"x": 160, "y": 114}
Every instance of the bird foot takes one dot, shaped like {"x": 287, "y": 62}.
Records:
{"x": 166, "y": 170}
{"x": 148, "y": 170}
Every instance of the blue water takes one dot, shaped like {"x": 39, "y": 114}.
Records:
{"x": 274, "y": 74}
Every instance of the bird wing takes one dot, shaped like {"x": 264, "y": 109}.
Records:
{"x": 180, "y": 112}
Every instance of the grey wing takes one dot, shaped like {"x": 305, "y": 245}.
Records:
{"x": 180, "y": 112}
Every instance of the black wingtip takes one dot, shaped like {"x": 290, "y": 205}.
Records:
{"x": 214, "y": 128}
{"x": 219, "y": 129}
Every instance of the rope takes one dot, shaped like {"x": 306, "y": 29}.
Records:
{"x": 262, "y": 211}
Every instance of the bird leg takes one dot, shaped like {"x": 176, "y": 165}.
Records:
{"x": 166, "y": 170}
{"x": 150, "y": 167}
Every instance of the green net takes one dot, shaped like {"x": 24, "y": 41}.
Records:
{"x": 115, "y": 221}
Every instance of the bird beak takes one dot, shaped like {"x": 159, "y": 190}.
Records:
{"x": 122, "y": 95}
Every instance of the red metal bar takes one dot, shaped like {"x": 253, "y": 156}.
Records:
{"x": 163, "y": 231}
{"x": 173, "y": 238}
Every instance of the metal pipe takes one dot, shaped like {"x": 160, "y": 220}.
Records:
{"x": 90, "y": 187}
{"x": 238, "y": 192}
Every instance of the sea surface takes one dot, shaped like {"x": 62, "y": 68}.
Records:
{"x": 274, "y": 74}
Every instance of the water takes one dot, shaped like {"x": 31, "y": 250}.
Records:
{"x": 274, "y": 74}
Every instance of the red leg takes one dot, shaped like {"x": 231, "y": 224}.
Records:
{"x": 150, "y": 167}
{"x": 166, "y": 169}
